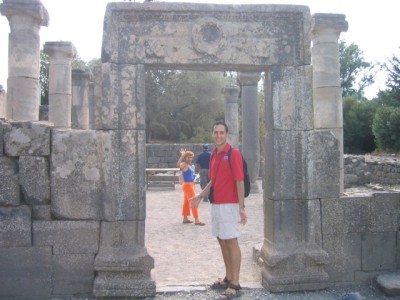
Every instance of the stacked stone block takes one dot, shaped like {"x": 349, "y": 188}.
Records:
{"x": 42, "y": 254}
{"x": 360, "y": 235}
{"x": 358, "y": 171}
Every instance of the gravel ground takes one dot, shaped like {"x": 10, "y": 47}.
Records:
{"x": 187, "y": 258}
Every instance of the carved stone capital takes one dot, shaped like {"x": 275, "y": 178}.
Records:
{"x": 248, "y": 79}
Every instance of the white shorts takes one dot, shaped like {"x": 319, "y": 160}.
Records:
{"x": 225, "y": 221}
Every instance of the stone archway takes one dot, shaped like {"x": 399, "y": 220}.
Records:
{"x": 302, "y": 165}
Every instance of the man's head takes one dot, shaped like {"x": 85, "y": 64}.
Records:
{"x": 220, "y": 134}
{"x": 205, "y": 146}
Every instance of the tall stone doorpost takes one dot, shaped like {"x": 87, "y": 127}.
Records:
{"x": 123, "y": 265}
{"x": 23, "y": 88}
{"x": 302, "y": 167}
{"x": 251, "y": 125}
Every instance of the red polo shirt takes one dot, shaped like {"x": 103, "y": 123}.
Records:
{"x": 224, "y": 177}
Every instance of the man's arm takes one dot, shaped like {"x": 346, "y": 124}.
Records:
{"x": 240, "y": 191}
{"x": 195, "y": 201}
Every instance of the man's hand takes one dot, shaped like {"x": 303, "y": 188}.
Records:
{"x": 195, "y": 201}
{"x": 243, "y": 216}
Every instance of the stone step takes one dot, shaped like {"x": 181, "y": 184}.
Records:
{"x": 389, "y": 283}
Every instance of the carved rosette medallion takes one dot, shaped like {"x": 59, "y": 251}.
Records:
{"x": 207, "y": 36}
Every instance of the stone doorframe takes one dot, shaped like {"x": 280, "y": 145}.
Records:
{"x": 303, "y": 146}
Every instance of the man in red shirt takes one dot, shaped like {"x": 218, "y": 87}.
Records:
{"x": 226, "y": 183}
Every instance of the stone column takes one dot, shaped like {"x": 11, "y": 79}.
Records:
{"x": 298, "y": 164}
{"x": 3, "y": 103}
{"x": 327, "y": 93}
{"x": 250, "y": 125}
{"x": 123, "y": 264}
{"x": 80, "y": 99}
{"x": 231, "y": 94}
{"x": 23, "y": 88}
{"x": 60, "y": 91}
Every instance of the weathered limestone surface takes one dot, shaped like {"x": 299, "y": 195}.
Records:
{"x": 123, "y": 265}
{"x": 73, "y": 272}
{"x": 18, "y": 264}
{"x": 325, "y": 32}
{"x": 77, "y": 177}
{"x": 9, "y": 181}
{"x": 206, "y": 35}
{"x": 291, "y": 106}
{"x": 67, "y": 237}
{"x": 60, "y": 91}
{"x": 80, "y": 99}
{"x": 15, "y": 226}
{"x": 231, "y": 94}
{"x": 250, "y": 125}
{"x": 360, "y": 236}
{"x": 27, "y": 138}
{"x": 123, "y": 101}
{"x": 34, "y": 179}
{"x": 23, "y": 88}
{"x": 124, "y": 198}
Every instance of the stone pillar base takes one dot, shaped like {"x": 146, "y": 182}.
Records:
{"x": 124, "y": 273}
{"x": 296, "y": 270}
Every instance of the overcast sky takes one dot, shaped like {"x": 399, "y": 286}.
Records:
{"x": 373, "y": 26}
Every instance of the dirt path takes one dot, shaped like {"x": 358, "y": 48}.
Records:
{"x": 188, "y": 254}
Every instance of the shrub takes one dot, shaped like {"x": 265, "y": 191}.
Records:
{"x": 386, "y": 128}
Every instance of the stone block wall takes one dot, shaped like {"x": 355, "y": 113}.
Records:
{"x": 42, "y": 256}
{"x": 50, "y": 232}
{"x": 358, "y": 171}
{"x": 361, "y": 236}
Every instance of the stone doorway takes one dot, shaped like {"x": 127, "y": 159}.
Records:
{"x": 248, "y": 38}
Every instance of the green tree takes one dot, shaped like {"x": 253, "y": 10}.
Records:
{"x": 180, "y": 104}
{"x": 355, "y": 73}
{"x": 357, "y": 125}
{"x": 391, "y": 97}
{"x": 386, "y": 128}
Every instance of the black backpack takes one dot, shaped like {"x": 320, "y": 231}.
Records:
{"x": 246, "y": 180}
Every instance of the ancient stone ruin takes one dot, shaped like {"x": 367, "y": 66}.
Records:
{"x": 72, "y": 190}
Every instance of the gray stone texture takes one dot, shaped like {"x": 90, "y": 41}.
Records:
{"x": 73, "y": 274}
{"x": 77, "y": 178}
{"x": 214, "y": 36}
{"x": 389, "y": 283}
{"x": 67, "y": 237}
{"x": 60, "y": 91}
{"x": 41, "y": 212}
{"x": 123, "y": 101}
{"x": 23, "y": 89}
{"x": 15, "y": 226}
{"x": 290, "y": 105}
{"x": 293, "y": 240}
{"x": 9, "y": 181}
{"x": 124, "y": 170}
{"x": 34, "y": 179}
{"x": 80, "y": 99}
{"x": 231, "y": 94}
{"x": 123, "y": 265}
{"x": 250, "y": 125}
{"x": 359, "y": 233}
{"x": 26, "y": 272}
{"x": 301, "y": 165}
{"x": 27, "y": 138}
